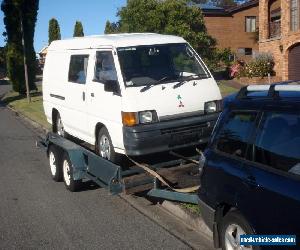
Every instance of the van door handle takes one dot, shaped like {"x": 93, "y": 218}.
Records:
{"x": 83, "y": 96}
{"x": 92, "y": 95}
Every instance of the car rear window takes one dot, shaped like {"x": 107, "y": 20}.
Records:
{"x": 278, "y": 142}
{"x": 233, "y": 135}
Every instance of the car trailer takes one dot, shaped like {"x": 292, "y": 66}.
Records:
{"x": 67, "y": 158}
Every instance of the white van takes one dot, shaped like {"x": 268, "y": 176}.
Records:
{"x": 131, "y": 94}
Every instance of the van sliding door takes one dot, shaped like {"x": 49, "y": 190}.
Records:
{"x": 75, "y": 117}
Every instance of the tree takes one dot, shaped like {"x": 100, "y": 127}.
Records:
{"x": 78, "y": 29}
{"x": 53, "y": 31}
{"x": 199, "y": 1}
{"x": 111, "y": 28}
{"x": 16, "y": 11}
{"x": 166, "y": 17}
{"x": 2, "y": 59}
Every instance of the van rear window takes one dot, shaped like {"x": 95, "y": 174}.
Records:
{"x": 78, "y": 68}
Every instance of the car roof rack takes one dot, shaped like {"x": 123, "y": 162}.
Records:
{"x": 272, "y": 89}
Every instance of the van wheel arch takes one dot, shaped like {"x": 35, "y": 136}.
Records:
{"x": 54, "y": 118}
{"x": 99, "y": 126}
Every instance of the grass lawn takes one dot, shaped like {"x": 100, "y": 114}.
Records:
{"x": 33, "y": 110}
{"x": 195, "y": 209}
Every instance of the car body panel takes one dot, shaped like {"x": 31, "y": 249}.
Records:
{"x": 268, "y": 198}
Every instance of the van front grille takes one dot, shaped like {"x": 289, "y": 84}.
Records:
{"x": 186, "y": 129}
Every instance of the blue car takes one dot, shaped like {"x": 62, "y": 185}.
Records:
{"x": 250, "y": 172}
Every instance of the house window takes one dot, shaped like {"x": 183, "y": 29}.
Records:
{"x": 250, "y": 24}
{"x": 244, "y": 51}
{"x": 248, "y": 51}
{"x": 274, "y": 18}
{"x": 294, "y": 15}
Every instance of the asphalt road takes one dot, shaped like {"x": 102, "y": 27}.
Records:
{"x": 36, "y": 212}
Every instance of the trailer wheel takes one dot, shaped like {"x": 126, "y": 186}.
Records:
{"x": 71, "y": 184}
{"x": 55, "y": 161}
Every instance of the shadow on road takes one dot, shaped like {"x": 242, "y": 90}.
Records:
{"x": 4, "y": 87}
{"x": 19, "y": 97}
{"x": 88, "y": 185}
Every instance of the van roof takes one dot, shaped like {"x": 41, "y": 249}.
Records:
{"x": 114, "y": 40}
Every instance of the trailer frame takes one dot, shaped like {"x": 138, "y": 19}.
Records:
{"x": 86, "y": 164}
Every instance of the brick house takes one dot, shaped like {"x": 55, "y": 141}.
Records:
{"x": 279, "y": 33}
{"x": 42, "y": 57}
{"x": 234, "y": 28}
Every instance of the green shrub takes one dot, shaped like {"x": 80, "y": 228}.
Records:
{"x": 261, "y": 66}
{"x": 220, "y": 59}
{"x": 226, "y": 56}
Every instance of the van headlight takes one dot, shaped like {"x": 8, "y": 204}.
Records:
{"x": 212, "y": 107}
{"x": 146, "y": 116}
{"x": 142, "y": 117}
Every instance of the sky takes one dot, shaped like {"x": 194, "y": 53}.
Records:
{"x": 92, "y": 13}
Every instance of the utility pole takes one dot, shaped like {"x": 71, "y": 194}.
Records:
{"x": 24, "y": 58}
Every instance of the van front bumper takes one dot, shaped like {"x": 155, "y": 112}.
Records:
{"x": 168, "y": 135}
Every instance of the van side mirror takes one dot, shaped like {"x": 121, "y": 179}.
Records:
{"x": 111, "y": 86}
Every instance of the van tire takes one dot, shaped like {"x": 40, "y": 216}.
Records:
{"x": 229, "y": 223}
{"x": 105, "y": 148}
{"x": 59, "y": 127}
{"x": 55, "y": 163}
{"x": 67, "y": 169}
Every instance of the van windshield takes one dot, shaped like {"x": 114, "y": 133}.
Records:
{"x": 147, "y": 65}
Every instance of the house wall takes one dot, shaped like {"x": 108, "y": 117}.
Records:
{"x": 229, "y": 31}
{"x": 280, "y": 46}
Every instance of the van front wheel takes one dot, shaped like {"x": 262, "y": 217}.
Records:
{"x": 104, "y": 146}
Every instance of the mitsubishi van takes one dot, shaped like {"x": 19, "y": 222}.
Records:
{"x": 133, "y": 94}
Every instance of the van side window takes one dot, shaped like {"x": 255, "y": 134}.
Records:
{"x": 278, "y": 142}
{"x": 105, "y": 69}
{"x": 234, "y": 133}
{"x": 78, "y": 68}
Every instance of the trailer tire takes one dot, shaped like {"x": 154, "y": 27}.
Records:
{"x": 70, "y": 184}
{"x": 55, "y": 162}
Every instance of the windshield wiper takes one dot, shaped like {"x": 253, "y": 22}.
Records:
{"x": 150, "y": 85}
{"x": 189, "y": 78}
